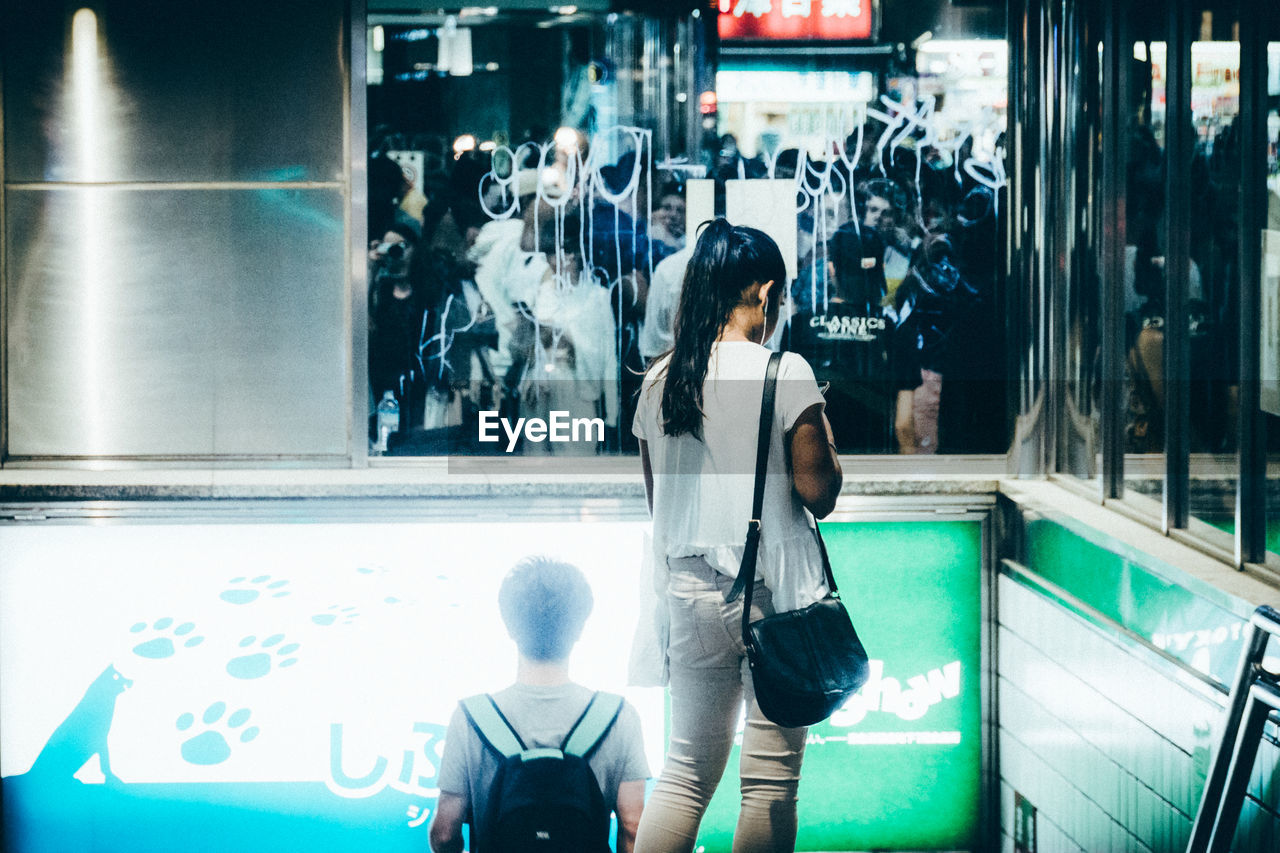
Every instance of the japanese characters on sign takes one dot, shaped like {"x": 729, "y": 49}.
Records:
{"x": 796, "y": 19}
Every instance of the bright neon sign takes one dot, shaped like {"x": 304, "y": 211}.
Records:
{"x": 795, "y": 19}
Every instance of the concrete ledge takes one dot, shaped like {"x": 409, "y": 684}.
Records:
{"x": 438, "y": 478}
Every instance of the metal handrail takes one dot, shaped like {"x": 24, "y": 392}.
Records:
{"x": 1254, "y": 695}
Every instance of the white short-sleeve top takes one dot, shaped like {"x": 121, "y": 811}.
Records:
{"x": 702, "y": 489}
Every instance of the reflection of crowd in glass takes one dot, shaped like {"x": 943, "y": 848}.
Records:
{"x": 420, "y": 283}
{"x": 894, "y": 305}
{"x": 464, "y": 304}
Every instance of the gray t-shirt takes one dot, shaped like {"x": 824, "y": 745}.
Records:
{"x": 542, "y": 716}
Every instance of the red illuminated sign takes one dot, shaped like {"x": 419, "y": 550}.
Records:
{"x": 795, "y": 19}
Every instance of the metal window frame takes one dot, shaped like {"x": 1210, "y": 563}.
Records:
{"x": 4, "y": 286}
{"x": 1025, "y": 303}
{"x": 1115, "y": 83}
{"x": 358, "y": 231}
{"x": 1257, "y": 22}
{"x": 1058, "y": 264}
{"x": 1084, "y": 25}
{"x": 1080, "y": 218}
{"x": 1178, "y": 151}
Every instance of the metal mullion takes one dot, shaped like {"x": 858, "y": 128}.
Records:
{"x": 1177, "y": 269}
{"x": 1251, "y": 497}
{"x": 357, "y": 176}
{"x": 1028, "y": 153}
{"x": 1115, "y": 82}
{"x": 1082, "y": 59}
{"x": 1040, "y": 309}
{"x": 1058, "y": 214}
{"x": 4, "y": 290}
{"x": 1037, "y": 309}
{"x": 1019, "y": 124}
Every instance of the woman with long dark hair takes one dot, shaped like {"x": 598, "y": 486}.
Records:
{"x": 696, "y": 420}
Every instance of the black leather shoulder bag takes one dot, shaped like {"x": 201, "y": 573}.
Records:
{"x": 804, "y": 663}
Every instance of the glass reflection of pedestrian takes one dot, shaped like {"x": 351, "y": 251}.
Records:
{"x": 845, "y": 331}
{"x": 398, "y": 299}
{"x": 882, "y": 206}
{"x": 698, "y": 461}
{"x": 668, "y": 223}
{"x": 928, "y": 300}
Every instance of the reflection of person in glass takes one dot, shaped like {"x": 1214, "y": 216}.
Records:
{"x": 570, "y": 337}
{"x": 1144, "y": 294}
{"x": 844, "y": 330}
{"x": 398, "y": 298}
{"x": 883, "y": 207}
{"x": 667, "y": 226}
{"x": 693, "y": 419}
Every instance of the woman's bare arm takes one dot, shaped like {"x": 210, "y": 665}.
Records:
{"x": 815, "y": 468}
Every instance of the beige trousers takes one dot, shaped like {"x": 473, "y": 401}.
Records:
{"x": 709, "y": 680}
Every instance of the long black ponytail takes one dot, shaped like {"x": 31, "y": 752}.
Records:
{"x": 727, "y": 260}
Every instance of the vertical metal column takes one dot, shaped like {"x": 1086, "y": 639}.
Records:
{"x": 1019, "y": 24}
{"x": 705, "y": 46}
{"x": 1060, "y": 211}
{"x": 1256, "y": 22}
{"x": 1077, "y": 449}
{"x": 4, "y": 290}
{"x": 655, "y": 83}
{"x": 1178, "y": 154}
{"x": 1026, "y": 294}
{"x": 1038, "y": 414}
{"x": 357, "y": 121}
{"x": 1115, "y": 83}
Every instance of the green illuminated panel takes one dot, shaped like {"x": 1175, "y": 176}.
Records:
{"x": 1173, "y": 617}
{"x": 871, "y": 778}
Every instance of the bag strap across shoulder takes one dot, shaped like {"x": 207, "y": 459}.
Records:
{"x": 747, "y": 571}
{"x": 492, "y": 726}
{"x": 601, "y": 713}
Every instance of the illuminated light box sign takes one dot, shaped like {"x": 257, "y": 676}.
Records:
{"x": 264, "y": 686}
{"x": 796, "y": 20}
{"x": 899, "y": 767}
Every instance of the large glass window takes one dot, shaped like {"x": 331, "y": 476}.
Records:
{"x": 899, "y": 178}
{"x": 536, "y": 179}
{"x": 1158, "y": 208}
{"x": 526, "y": 179}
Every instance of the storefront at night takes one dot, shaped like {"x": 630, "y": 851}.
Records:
{"x": 286, "y": 293}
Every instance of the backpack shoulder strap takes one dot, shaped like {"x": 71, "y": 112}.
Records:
{"x": 601, "y": 713}
{"x": 492, "y": 726}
